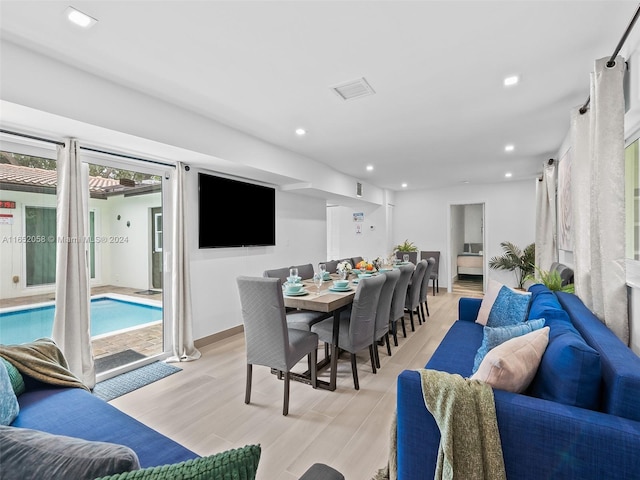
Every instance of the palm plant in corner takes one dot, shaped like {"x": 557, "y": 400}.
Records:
{"x": 520, "y": 262}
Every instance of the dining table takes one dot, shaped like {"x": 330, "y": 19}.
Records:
{"x": 327, "y": 301}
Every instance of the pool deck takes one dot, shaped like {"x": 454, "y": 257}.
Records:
{"x": 146, "y": 340}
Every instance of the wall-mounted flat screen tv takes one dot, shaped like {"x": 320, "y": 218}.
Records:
{"x": 234, "y": 213}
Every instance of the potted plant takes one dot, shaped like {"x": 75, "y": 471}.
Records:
{"x": 521, "y": 262}
{"x": 552, "y": 280}
{"x": 407, "y": 246}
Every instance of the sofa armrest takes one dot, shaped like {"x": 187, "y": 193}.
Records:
{"x": 540, "y": 439}
{"x": 468, "y": 308}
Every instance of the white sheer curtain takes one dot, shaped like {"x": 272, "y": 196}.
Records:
{"x": 546, "y": 227}
{"x": 598, "y": 199}
{"x": 72, "y": 321}
{"x": 181, "y": 319}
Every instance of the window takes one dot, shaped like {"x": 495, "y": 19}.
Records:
{"x": 632, "y": 197}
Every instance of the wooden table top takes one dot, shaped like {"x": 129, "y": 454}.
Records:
{"x": 327, "y": 301}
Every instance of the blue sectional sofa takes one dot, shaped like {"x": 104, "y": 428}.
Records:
{"x": 579, "y": 418}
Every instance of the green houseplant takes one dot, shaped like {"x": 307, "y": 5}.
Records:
{"x": 407, "y": 246}
{"x": 521, "y": 262}
{"x": 552, "y": 280}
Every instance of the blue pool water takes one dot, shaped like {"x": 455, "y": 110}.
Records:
{"x": 107, "y": 315}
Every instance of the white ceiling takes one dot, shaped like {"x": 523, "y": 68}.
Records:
{"x": 440, "y": 115}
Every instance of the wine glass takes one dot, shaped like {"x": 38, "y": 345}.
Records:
{"x": 317, "y": 281}
{"x": 293, "y": 272}
{"x": 323, "y": 269}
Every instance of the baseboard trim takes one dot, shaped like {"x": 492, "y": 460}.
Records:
{"x": 216, "y": 337}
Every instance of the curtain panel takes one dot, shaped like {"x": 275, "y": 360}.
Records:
{"x": 598, "y": 199}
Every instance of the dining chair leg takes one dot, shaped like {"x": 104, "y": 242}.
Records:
{"x": 386, "y": 339}
{"x": 419, "y": 314}
{"x": 413, "y": 328}
{"x": 434, "y": 286}
{"x": 313, "y": 356}
{"x": 373, "y": 350}
{"x": 247, "y": 391}
{"x": 426, "y": 304}
{"x": 377, "y": 357}
{"x": 354, "y": 371}
{"x": 394, "y": 332}
{"x": 404, "y": 329}
{"x": 285, "y": 407}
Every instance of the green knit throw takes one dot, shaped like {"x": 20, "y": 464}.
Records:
{"x": 237, "y": 464}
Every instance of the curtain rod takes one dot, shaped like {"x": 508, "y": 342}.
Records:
{"x": 57, "y": 142}
{"x": 32, "y": 137}
{"x": 611, "y": 61}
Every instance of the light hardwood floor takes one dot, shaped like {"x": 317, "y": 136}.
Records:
{"x": 203, "y": 406}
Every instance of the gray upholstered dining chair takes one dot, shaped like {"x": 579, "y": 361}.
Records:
{"x": 357, "y": 324}
{"x": 398, "y": 300}
{"x": 281, "y": 273}
{"x": 331, "y": 266}
{"x": 424, "y": 288}
{"x": 305, "y": 271}
{"x": 383, "y": 311}
{"x": 425, "y": 255}
{"x": 412, "y": 302}
{"x": 355, "y": 261}
{"x": 413, "y": 256}
{"x": 269, "y": 340}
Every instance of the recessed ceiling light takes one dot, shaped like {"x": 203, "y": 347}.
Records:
{"x": 369, "y": 168}
{"x": 511, "y": 80}
{"x": 300, "y": 131}
{"x": 508, "y": 174}
{"x": 81, "y": 19}
{"x": 466, "y": 182}
{"x": 508, "y": 148}
{"x": 404, "y": 185}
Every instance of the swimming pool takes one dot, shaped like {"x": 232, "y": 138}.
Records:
{"x": 109, "y": 314}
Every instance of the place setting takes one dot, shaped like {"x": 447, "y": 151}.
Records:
{"x": 340, "y": 285}
{"x": 294, "y": 287}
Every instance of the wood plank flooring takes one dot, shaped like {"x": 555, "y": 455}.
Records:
{"x": 203, "y": 406}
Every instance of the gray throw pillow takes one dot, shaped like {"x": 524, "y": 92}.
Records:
{"x": 32, "y": 454}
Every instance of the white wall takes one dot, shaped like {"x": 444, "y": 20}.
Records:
{"x": 300, "y": 238}
{"x": 422, "y": 217}
{"x": 473, "y": 223}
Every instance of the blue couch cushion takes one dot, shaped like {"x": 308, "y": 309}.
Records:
{"x": 620, "y": 366}
{"x": 76, "y": 413}
{"x": 544, "y": 304}
{"x": 457, "y": 350}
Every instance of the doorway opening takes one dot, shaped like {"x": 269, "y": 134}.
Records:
{"x": 466, "y": 247}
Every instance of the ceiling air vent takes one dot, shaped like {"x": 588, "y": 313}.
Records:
{"x": 353, "y": 89}
{"x": 358, "y": 189}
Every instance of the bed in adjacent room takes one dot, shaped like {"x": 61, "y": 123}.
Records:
{"x": 471, "y": 261}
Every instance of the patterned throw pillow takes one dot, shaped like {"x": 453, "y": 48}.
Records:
{"x": 509, "y": 308}
{"x": 17, "y": 382}
{"x": 512, "y": 365}
{"x": 9, "y": 407}
{"x": 494, "y": 336}
{"x": 489, "y": 298}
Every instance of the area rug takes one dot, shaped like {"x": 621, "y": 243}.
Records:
{"x": 130, "y": 381}
{"x": 117, "y": 360}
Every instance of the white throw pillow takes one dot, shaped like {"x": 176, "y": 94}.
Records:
{"x": 512, "y": 365}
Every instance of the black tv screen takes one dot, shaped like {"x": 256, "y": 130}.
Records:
{"x": 233, "y": 213}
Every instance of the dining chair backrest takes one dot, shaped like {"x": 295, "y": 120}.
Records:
{"x": 265, "y": 323}
{"x": 355, "y": 261}
{"x": 424, "y": 286}
{"x": 281, "y": 273}
{"x": 413, "y": 256}
{"x": 426, "y": 255}
{"x": 362, "y": 322}
{"x": 400, "y": 292}
{"x": 305, "y": 271}
{"x": 413, "y": 292}
{"x": 384, "y": 303}
{"x": 331, "y": 265}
